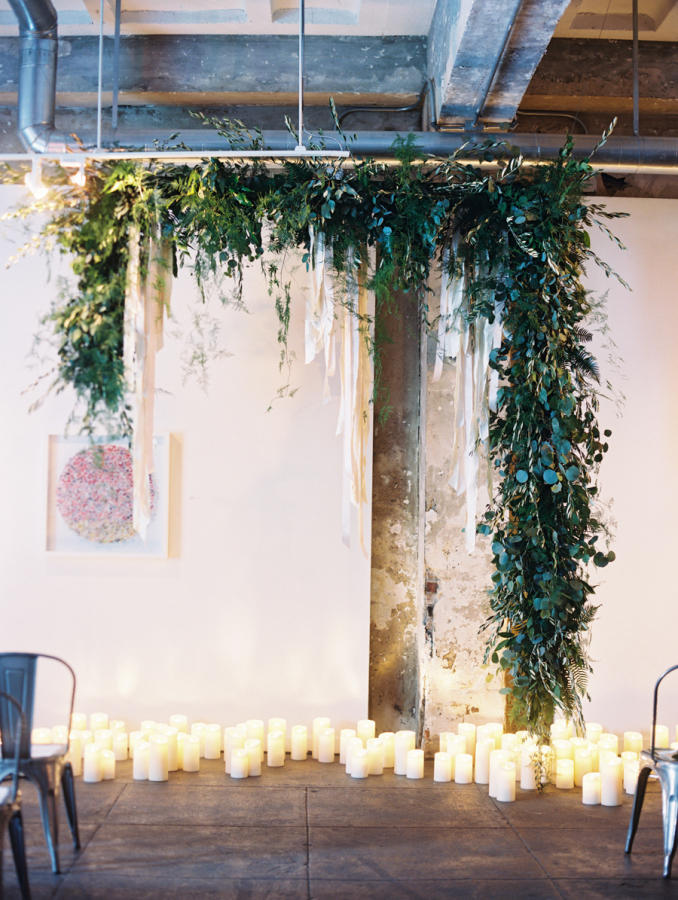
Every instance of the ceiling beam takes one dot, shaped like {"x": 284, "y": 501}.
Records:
{"x": 208, "y": 70}
{"x": 482, "y": 55}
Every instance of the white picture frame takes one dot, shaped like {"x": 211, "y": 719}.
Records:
{"x": 100, "y": 517}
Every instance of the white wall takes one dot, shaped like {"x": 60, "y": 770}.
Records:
{"x": 260, "y": 610}
{"x": 635, "y": 637}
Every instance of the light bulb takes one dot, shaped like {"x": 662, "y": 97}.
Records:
{"x": 78, "y": 178}
{"x": 33, "y": 180}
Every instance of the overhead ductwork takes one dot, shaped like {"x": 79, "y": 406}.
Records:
{"x": 37, "y": 76}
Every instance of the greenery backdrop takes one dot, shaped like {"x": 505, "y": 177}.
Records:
{"x": 522, "y": 231}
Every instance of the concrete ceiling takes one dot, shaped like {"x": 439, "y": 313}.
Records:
{"x": 330, "y": 17}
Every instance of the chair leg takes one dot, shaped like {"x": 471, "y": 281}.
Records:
{"x": 638, "y": 798}
{"x": 48, "y": 792}
{"x": 68, "y": 787}
{"x": 669, "y": 783}
{"x": 16, "y": 835}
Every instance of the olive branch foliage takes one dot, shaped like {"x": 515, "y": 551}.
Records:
{"x": 522, "y": 239}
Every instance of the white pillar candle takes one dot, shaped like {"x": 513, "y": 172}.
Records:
{"x": 468, "y": 730}
{"x": 565, "y": 774}
{"x": 559, "y": 731}
{"x": 59, "y": 734}
{"x": 140, "y": 761}
{"x": 611, "y": 782}
{"x": 278, "y": 724}
{"x": 133, "y": 740}
{"x": 147, "y": 727}
{"x": 456, "y": 743}
{"x": 172, "y": 748}
{"x": 509, "y": 741}
{"x": 181, "y": 737}
{"x": 75, "y": 752}
{"x": 375, "y": 756}
{"x": 484, "y": 746}
{"x": 661, "y": 737}
{"x": 387, "y": 738}
{"x": 180, "y": 722}
{"x": 633, "y": 740}
{"x": 505, "y": 780}
{"x": 319, "y": 723}
{"x": 326, "y": 745}
{"x": 345, "y": 735}
{"x": 360, "y": 766}
{"x": 117, "y": 725}
{"x": 578, "y": 743}
{"x": 41, "y": 736}
{"x": 98, "y": 720}
{"x": 255, "y": 729}
{"x": 443, "y": 739}
{"x": 157, "y": 758}
{"x": 92, "y": 767}
{"x": 404, "y": 742}
{"x": 608, "y": 741}
{"x": 299, "y": 743}
{"x": 107, "y": 765}
{"x": 234, "y": 739}
{"x": 240, "y": 762}
{"x": 604, "y": 756}
{"x": 120, "y": 745}
{"x": 590, "y": 789}
{"x": 497, "y": 757}
{"x": 353, "y": 745}
{"x": 631, "y": 771}
{"x": 191, "y": 753}
{"x": 442, "y": 766}
{"x": 463, "y": 768}
{"x": 562, "y": 749}
{"x": 78, "y": 721}
{"x": 212, "y": 741}
{"x": 275, "y": 749}
{"x": 629, "y": 756}
{"x": 254, "y": 754}
{"x": 594, "y": 756}
{"x": 414, "y": 766}
{"x": 583, "y": 764}
{"x": 198, "y": 730}
{"x": 593, "y": 731}
{"x": 547, "y": 763}
{"x": 104, "y": 738}
{"x": 495, "y": 730}
{"x": 528, "y": 768}
{"x": 365, "y": 730}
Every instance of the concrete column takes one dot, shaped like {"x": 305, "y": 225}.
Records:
{"x": 397, "y": 507}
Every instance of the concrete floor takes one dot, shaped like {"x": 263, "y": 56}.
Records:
{"x": 309, "y": 831}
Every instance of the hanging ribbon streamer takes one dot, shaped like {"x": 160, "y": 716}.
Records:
{"x": 329, "y": 322}
{"x": 470, "y": 342}
{"x": 146, "y": 300}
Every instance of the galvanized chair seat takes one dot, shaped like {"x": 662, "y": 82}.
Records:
{"x": 43, "y": 764}
{"x": 664, "y": 763}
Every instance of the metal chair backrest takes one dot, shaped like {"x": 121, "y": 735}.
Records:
{"x": 654, "y": 704}
{"x": 13, "y": 748}
{"x": 18, "y": 680}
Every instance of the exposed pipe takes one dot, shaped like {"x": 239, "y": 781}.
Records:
{"x": 302, "y": 29}
{"x": 100, "y": 72}
{"x": 116, "y": 66}
{"x": 622, "y": 155}
{"x": 37, "y": 76}
{"x": 636, "y": 91}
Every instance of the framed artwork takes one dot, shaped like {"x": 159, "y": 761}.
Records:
{"x": 89, "y": 498}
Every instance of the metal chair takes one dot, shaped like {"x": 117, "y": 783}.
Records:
{"x": 10, "y": 804}
{"x": 43, "y": 764}
{"x": 665, "y": 764}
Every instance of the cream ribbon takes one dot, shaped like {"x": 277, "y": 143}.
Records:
{"x": 476, "y": 385}
{"x": 146, "y": 301}
{"x": 347, "y": 323}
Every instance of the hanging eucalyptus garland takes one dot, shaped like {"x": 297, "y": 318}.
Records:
{"x": 519, "y": 236}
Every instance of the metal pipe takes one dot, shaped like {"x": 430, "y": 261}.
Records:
{"x": 497, "y": 62}
{"x": 636, "y": 97}
{"x": 622, "y": 155}
{"x": 116, "y": 66}
{"x": 302, "y": 28}
{"x": 100, "y": 73}
{"x": 37, "y": 76}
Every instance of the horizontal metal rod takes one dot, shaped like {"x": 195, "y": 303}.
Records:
{"x": 626, "y": 154}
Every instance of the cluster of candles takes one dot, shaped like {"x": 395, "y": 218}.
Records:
{"x": 599, "y": 763}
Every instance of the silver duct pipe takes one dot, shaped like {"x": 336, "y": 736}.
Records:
{"x": 37, "y": 76}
